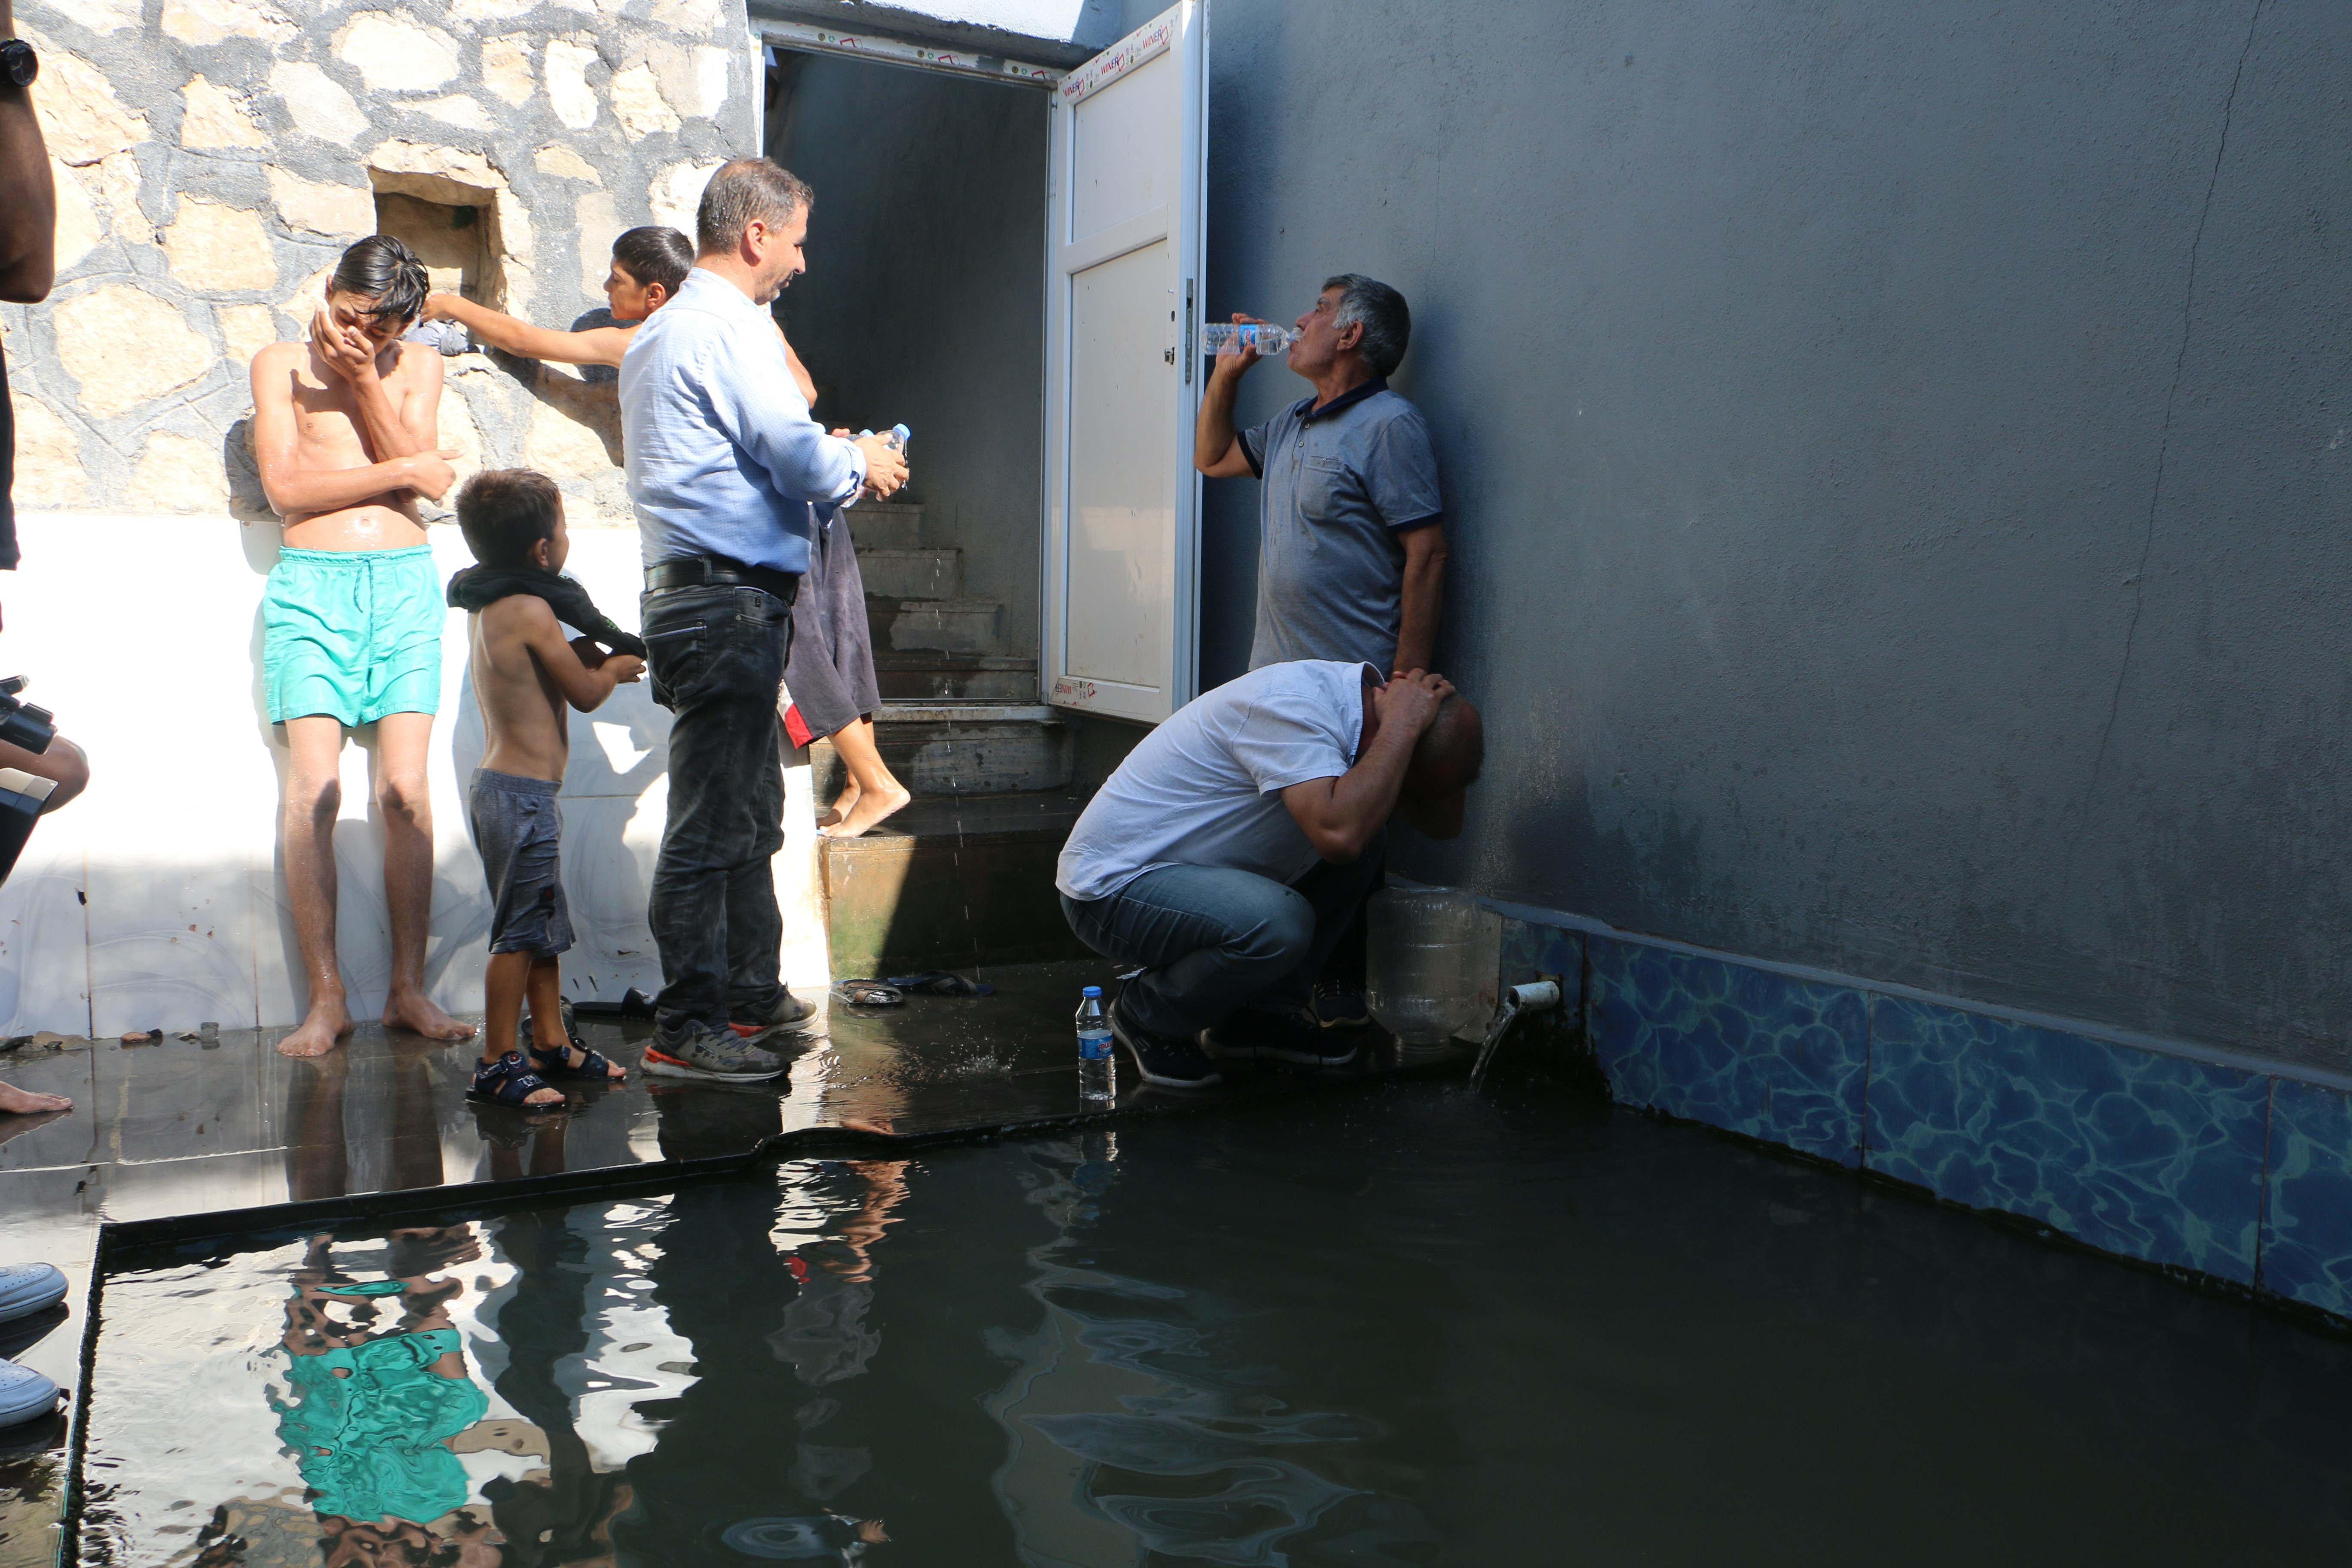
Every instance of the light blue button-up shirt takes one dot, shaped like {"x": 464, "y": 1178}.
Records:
{"x": 721, "y": 455}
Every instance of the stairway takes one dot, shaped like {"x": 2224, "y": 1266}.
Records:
{"x": 964, "y": 875}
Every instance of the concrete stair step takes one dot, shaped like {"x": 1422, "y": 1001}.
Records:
{"x": 950, "y": 881}
{"x": 886, "y": 525}
{"x": 911, "y": 574}
{"x": 947, "y": 626}
{"x": 961, "y": 748}
{"x": 927, "y": 676}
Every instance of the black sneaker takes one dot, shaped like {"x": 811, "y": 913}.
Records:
{"x": 1170, "y": 1061}
{"x": 789, "y": 1011}
{"x": 1250, "y": 1034}
{"x": 700, "y": 1051}
{"x": 1339, "y": 1005}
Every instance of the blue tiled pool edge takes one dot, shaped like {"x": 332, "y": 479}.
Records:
{"x": 2232, "y": 1172}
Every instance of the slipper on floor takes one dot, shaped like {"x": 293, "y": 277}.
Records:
{"x": 635, "y": 1005}
{"x": 941, "y": 982}
{"x": 868, "y": 994}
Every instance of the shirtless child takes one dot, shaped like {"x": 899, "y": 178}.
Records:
{"x": 344, "y": 430}
{"x": 524, "y": 672}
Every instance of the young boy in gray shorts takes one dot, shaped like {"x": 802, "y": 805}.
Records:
{"x": 524, "y": 672}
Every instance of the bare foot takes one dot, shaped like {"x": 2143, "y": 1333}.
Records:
{"x": 869, "y": 810}
{"x": 329, "y": 1022}
{"x": 419, "y": 1015}
{"x": 25, "y": 1102}
{"x": 842, "y": 805}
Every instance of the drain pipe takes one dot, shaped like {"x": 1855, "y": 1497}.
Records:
{"x": 1536, "y": 997}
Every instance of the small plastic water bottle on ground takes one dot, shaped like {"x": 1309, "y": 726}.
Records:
{"x": 1216, "y": 337}
{"x": 1094, "y": 1047}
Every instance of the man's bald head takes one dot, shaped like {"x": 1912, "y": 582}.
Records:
{"x": 1450, "y": 752}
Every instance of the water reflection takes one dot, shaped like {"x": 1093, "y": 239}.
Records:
{"x": 1415, "y": 1332}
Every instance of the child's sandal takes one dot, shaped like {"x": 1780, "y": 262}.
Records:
{"x": 595, "y": 1066}
{"x": 507, "y": 1081}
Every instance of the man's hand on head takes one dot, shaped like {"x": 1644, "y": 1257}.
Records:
{"x": 1410, "y": 699}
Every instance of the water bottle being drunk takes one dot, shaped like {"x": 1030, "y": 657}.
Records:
{"x": 1216, "y": 337}
{"x": 1093, "y": 1047}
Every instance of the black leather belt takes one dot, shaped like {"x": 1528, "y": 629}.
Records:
{"x": 721, "y": 571}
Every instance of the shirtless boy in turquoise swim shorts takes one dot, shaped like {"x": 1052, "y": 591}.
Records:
{"x": 345, "y": 433}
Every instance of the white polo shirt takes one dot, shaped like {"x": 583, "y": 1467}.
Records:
{"x": 1204, "y": 788}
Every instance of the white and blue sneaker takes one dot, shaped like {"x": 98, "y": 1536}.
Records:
{"x": 29, "y": 1288}
{"x": 25, "y": 1394}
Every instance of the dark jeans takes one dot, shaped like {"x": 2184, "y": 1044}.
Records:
{"x": 717, "y": 656}
{"x": 1211, "y": 941}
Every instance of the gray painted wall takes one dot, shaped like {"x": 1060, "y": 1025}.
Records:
{"x": 1898, "y": 461}
{"x": 924, "y": 298}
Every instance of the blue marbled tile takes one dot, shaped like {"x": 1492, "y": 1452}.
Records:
{"x": 2152, "y": 1156}
{"x": 2307, "y": 1199}
{"x": 1740, "y": 1048}
{"x": 1530, "y": 950}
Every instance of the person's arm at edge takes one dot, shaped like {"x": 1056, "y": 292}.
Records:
{"x": 278, "y": 452}
{"x": 597, "y": 345}
{"x": 63, "y": 764}
{"x": 1340, "y": 815}
{"x": 801, "y": 377}
{"x": 1423, "y": 594}
{"x": 583, "y": 687}
{"x": 28, "y": 194}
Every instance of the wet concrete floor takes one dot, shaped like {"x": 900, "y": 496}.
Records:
{"x": 177, "y": 1133}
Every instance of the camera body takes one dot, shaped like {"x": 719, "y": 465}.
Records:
{"x": 22, "y": 796}
{"x": 21, "y": 722}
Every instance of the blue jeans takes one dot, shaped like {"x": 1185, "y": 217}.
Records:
{"x": 1211, "y": 941}
{"x": 717, "y": 656}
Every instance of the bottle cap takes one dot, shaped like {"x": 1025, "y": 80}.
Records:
{"x": 1093, "y": 991}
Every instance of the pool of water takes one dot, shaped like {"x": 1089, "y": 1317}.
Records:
{"x": 1405, "y": 1323}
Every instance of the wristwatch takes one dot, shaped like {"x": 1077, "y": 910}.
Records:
{"x": 18, "y": 63}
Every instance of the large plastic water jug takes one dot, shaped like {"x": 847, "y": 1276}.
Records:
{"x": 1421, "y": 968}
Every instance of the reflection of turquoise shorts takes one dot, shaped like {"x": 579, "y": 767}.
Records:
{"x": 351, "y": 634}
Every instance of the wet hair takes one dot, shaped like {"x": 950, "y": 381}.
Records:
{"x": 504, "y": 512}
{"x": 381, "y": 270}
{"x": 1388, "y": 322}
{"x": 744, "y": 192}
{"x": 656, "y": 254}
{"x": 1454, "y": 747}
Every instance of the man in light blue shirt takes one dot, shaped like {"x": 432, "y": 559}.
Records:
{"x": 722, "y": 460}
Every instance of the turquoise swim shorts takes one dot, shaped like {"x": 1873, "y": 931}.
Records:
{"x": 351, "y": 634}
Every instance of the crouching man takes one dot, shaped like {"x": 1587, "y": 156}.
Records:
{"x": 1227, "y": 853}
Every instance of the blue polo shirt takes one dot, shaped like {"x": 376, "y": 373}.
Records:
{"x": 1339, "y": 484}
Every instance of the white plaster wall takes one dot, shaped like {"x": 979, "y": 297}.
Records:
{"x": 155, "y": 900}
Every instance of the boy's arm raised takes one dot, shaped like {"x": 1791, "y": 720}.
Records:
{"x": 583, "y": 687}
{"x": 278, "y": 452}
{"x": 597, "y": 345}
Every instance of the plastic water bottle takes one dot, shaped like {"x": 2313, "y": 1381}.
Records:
{"x": 1216, "y": 337}
{"x": 1094, "y": 1047}
{"x": 899, "y": 437}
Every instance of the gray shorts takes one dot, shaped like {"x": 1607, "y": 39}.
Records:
{"x": 517, "y": 826}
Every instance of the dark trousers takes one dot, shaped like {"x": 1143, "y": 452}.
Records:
{"x": 1211, "y": 941}
{"x": 717, "y": 656}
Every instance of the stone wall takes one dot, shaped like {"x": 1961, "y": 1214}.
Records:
{"x": 213, "y": 158}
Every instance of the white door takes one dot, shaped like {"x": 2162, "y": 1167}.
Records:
{"x": 1123, "y": 247}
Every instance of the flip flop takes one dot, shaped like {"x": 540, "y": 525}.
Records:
{"x": 941, "y": 982}
{"x": 868, "y": 994}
